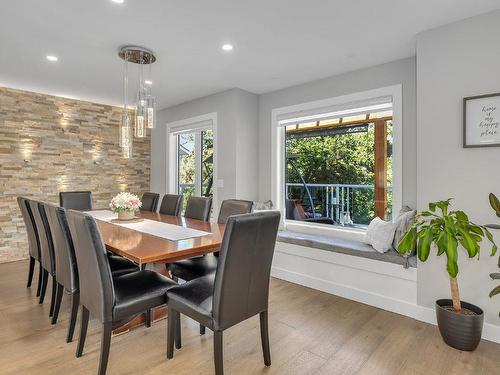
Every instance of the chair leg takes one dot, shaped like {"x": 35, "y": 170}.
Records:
{"x": 264, "y": 336}
{"x": 218, "y": 357}
{"x": 178, "y": 343}
{"x": 75, "y": 302}
{"x": 202, "y": 329}
{"x": 148, "y": 318}
{"x": 171, "y": 332}
{"x": 83, "y": 331}
{"x": 40, "y": 274}
{"x": 107, "y": 329}
{"x": 53, "y": 296}
{"x": 43, "y": 289}
{"x": 30, "y": 271}
{"x": 57, "y": 306}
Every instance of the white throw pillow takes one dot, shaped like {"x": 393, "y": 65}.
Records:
{"x": 380, "y": 234}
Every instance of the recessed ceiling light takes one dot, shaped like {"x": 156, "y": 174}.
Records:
{"x": 52, "y": 58}
{"x": 148, "y": 82}
{"x": 117, "y": 1}
{"x": 227, "y": 47}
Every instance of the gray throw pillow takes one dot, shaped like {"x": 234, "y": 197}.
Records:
{"x": 404, "y": 220}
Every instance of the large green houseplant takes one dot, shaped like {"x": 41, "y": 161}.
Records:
{"x": 495, "y": 204}
{"x": 446, "y": 231}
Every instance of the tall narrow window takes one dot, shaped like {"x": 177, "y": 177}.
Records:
{"x": 195, "y": 163}
{"x": 339, "y": 170}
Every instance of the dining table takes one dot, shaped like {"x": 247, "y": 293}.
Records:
{"x": 152, "y": 240}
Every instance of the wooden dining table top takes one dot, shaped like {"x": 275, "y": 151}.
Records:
{"x": 144, "y": 248}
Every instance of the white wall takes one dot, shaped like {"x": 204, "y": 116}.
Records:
{"x": 397, "y": 72}
{"x": 455, "y": 61}
{"x": 237, "y": 130}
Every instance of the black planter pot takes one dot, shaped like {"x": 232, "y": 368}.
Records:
{"x": 460, "y": 331}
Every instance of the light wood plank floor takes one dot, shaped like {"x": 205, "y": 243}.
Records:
{"x": 311, "y": 333}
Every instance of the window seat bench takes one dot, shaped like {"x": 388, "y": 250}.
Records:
{"x": 344, "y": 246}
{"x": 348, "y": 268}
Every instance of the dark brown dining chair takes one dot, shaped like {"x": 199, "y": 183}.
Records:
{"x": 66, "y": 268}
{"x": 46, "y": 250}
{"x": 171, "y": 204}
{"x": 109, "y": 300}
{"x": 33, "y": 242}
{"x": 198, "y": 208}
{"x": 238, "y": 290}
{"x": 150, "y": 201}
{"x": 76, "y": 200}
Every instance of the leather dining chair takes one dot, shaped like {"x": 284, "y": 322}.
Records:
{"x": 150, "y": 201}
{"x": 33, "y": 242}
{"x": 109, "y": 300}
{"x": 198, "y": 208}
{"x": 76, "y": 200}
{"x": 171, "y": 204}
{"x": 189, "y": 269}
{"x": 66, "y": 268}
{"x": 46, "y": 250}
{"x": 238, "y": 290}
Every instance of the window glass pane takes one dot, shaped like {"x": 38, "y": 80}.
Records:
{"x": 186, "y": 165}
{"x": 207, "y": 162}
{"x": 330, "y": 172}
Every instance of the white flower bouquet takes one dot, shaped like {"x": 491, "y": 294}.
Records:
{"x": 125, "y": 205}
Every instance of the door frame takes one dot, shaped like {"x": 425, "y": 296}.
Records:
{"x": 205, "y": 121}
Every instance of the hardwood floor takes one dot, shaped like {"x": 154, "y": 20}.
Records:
{"x": 311, "y": 333}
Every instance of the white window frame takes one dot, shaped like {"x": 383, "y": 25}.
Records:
{"x": 192, "y": 124}
{"x": 278, "y": 164}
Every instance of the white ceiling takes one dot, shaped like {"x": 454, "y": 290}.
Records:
{"x": 277, "y": 43}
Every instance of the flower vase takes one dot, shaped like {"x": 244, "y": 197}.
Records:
{"x": 126, "y": 215}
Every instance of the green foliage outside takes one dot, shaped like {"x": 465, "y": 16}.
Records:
{"x": 339, "y": 159}
{"x": 187, "y": 172}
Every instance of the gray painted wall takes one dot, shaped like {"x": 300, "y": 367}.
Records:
{"x": 237, "y": 130}
{"x": 397, "y": 72}
{"x": 455, "y": 61}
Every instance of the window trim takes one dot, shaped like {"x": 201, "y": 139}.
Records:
{"x": 277, "y": 146}
{"x": 192, "y": 124}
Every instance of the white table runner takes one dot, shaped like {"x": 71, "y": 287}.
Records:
{"x": 156, "y": 228}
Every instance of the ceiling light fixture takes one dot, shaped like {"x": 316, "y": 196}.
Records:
{"x": 117, "y": 1}
{"x": 145, "y": 105}
{"x": 227, "y": 47}
{"x": 51, "y": 58}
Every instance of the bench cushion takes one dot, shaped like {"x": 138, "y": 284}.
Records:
{"x": 343, "y": 246}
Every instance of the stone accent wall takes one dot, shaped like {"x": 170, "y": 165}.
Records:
{"x": 50, "y": 144}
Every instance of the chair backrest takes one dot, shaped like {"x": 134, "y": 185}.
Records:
{"x": 150, "y": 201}
{"x": 44, "y": 235}
{"x": 96, "y": 282}
{"x": 230, "y": 207}
{"x": 171, "y": 204}
{"x": 29, "y": 223}
{"x": 242, "y": 279}
{"x": 76, "y": 200}
{"x": 198, "y": 208}
{"x": 67, "y": 273}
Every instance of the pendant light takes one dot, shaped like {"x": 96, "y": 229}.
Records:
{"x": 145, "y": 104}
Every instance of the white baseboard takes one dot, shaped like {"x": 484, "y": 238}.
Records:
{"x": 308, "y": 267}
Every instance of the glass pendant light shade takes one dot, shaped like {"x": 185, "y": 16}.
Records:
{"x": 151, "y": 112}
{"x": 126, "y": 136}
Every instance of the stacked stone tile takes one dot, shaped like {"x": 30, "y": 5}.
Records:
{"x": 50, "y": 144}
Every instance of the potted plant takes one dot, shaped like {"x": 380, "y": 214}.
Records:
{"x": 125, "y": 205}
{"x": 460, "y": 323}
{"x": 495, "y": 204}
